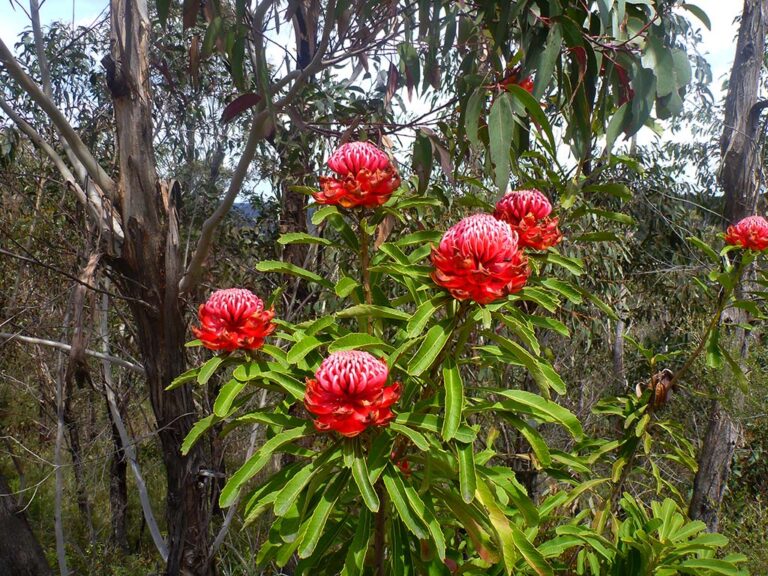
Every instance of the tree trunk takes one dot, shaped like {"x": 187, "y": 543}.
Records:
{"x": 150, "y": 270}
{"x": 20, "y": 552}
{"x": 118, "y": 487}
{"x": 739, "y": 147}
{"x": 714, "y": 467}
{"x": 76, "y": 452}
{"x": 739, "y": 178}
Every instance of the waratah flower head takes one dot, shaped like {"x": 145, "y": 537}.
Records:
{"x": 234, "y": 319}
{"x": 527, "y": 212}
{"x": 349, "y": 393}
{"x": 751, "y": 232}
{"x": 478, "y": 259}
{"x": 365, "y": 177}
{"x": 514, "y": 76}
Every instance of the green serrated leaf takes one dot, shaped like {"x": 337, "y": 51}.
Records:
{"x": 261, "y": 458}
{"x": 417, "y": 438}
{"x": 227, "y": 396}
{"x": 183, "y": 378}
{"x": 396, "y": 491}
{"x": 322, "y": 213}
{"x": 546, "y": 410}
{"x": 293, "y": 270}
{"x": 373, "y": 311}
{"x": 354, "y": 563}
{"x": 302, "y": 238}
{"x": 500, "y": 524}
{"x": 573, "y": 265}
{"x": 207, "y": 370}
{"x": 303, "y": 347}
{"x": 430, "y": 348}
{"x": 424, "y": 314}
{"x": 360, "y": 475}
{"x": 345, "y": 286}
{"x": 565, "y": 289}
{"x": 313, "y": 529}
{"x": 358, "y": 341}
{"x": 706, "y": 248}
{"x": 200, "y": 427}
{"x": 290, "y": 491}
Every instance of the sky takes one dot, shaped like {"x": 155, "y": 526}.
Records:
{"x": 13, "y": 19}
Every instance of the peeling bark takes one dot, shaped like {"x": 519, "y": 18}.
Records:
{"x": 739, "y": 177}
{"x": 150, "y": 267}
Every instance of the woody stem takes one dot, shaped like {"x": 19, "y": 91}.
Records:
{"x": 379, "y": 531}
{"x": 364, "y": 264}
{"x": 379, "y": 543}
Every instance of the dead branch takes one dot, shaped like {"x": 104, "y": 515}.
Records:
{"x": 67, "y": 348}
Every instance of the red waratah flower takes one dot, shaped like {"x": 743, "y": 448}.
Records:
{"x": 751, "y": 232}
{"x": 349, "y": 393}
{"x": 366, "y": 177}
{"x": 514, "y": 76}
{"x": 527, "y": 212}
{"x": 234, "y": 319}
{"x": 526, "y": 84}
{"x": 478, "y": 259}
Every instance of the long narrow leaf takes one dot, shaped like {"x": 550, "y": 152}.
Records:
{"x": 360, "y": 474}
{"x": 396, "y": 491}
{"x": 467, "y": 474}
{"x": 430, "y": 348}
{"x": 454, "y": 399}
{"x": 313, "y": 529}
{"x": 256, "y": 462}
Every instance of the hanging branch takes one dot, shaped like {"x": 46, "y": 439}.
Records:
{"x": 125, "y": 440}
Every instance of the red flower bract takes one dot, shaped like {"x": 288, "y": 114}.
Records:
{"x": 349, "y": 393}
{"x": 527, "y": 212}
{"x": 526, "y": 84}
{"x": 234, "y": 319}
{"x": 478, "y": 259}
{"x": 514, "y": 76}
{"x": 366, "y": 177}
{"x": 751, "y": 232}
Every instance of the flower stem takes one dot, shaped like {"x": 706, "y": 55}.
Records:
{"x": 364, "y": 264}
{"x": 379, "y": 531}
{"x": 379, "y": 535}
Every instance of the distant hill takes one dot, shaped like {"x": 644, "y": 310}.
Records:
{"x": 245, "y": 211}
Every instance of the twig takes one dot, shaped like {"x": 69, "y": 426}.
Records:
{"x": 72, "y": 277}
{"x": 66, "y": 348}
